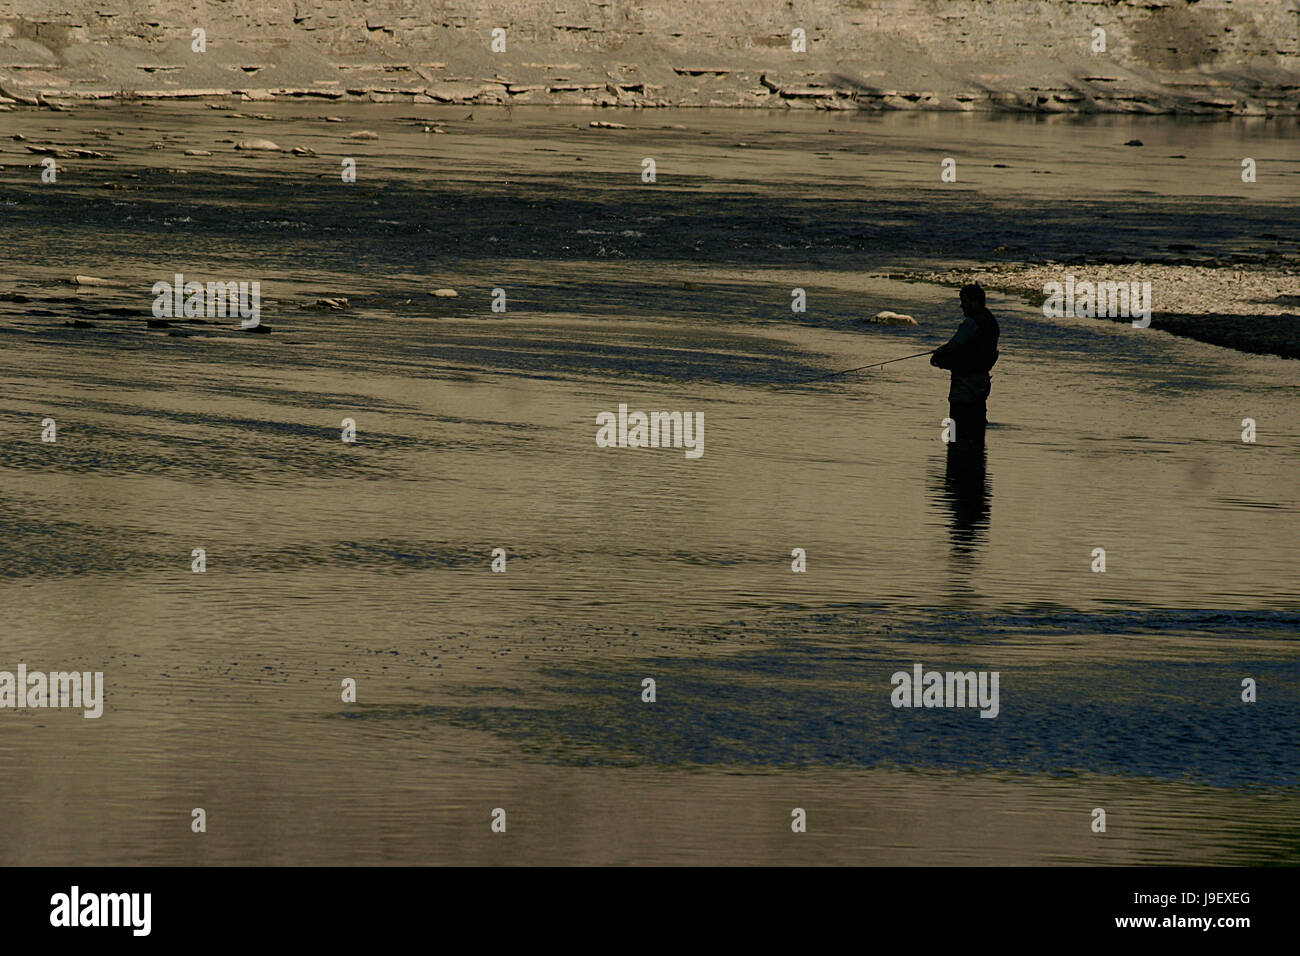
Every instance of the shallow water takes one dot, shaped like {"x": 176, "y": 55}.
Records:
{"x": 476, "y": 431}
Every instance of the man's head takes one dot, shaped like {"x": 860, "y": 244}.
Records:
{"x": 972, "y": 299}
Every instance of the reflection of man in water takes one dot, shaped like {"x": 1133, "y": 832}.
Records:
{"x": 966, "y": 493}
{"x": 969, "y": 355}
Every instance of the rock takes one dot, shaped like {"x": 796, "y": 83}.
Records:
{"x": 95, "y": 280}
{"x": 336, "y": 304}
{"x": 363, "y": 134}
{"x": 184, "y": 94}
{"x": 317, "y": 91}
{"x": 66, "y": 153}
{"x": 807, "y": 93}
{"x": 449, "y": 92}
{"x": 198, "y": 152}
{"x": 601, "y": 124}
{"x": 261, "y": 116}
{"x": 445, "y": 293}
{"x": 303, "y": 151}
{"x": 256, "y": 144}
{"x": 334, "y": 119}
{"x": 1134, "y": 142}
{"x": 19, "y": 96}
{"x": 892, "y": 318}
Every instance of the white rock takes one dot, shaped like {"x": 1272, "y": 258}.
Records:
{"x": 893, "y": 318}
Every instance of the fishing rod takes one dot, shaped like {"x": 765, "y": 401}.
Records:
{"x": 860, "y": 368}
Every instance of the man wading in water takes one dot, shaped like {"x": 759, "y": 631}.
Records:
{"x": 969, "y": 355}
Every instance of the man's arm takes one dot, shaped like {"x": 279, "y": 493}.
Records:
{"x": 949, "y": 354}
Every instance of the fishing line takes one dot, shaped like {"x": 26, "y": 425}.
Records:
{"x": 860, "y": 368}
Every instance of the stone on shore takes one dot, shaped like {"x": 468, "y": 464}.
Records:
{"x": 892, "y": 318}
{"x": 66, "y": 152}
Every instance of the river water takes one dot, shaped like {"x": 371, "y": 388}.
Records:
{"x": 521, "y": 690}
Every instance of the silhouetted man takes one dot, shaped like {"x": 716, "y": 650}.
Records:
{"x": 969, "y": 355}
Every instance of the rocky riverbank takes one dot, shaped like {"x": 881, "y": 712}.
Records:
{"x": 1248, "y": 306}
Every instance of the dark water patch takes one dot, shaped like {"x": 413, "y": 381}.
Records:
{"x": 381, "y": 555}
{"x": 350, "y": 230}
{"x": 573, "y": 356}
{"x": 327, "y": 433}
{"x": 801, "y": 709}
{"x": 248, "y": 450}
{"x": 944, "y": 625}
{"x": 38, "y": 543}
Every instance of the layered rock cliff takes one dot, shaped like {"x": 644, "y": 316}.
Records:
{"x": 1050, "y": 55}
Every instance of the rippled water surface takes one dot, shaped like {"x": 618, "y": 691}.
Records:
{"x": 476, "y": 431}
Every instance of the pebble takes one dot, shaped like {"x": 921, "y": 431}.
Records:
{"x": 445, "y": 293}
